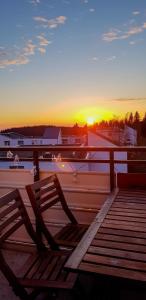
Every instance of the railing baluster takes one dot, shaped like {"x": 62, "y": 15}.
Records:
{"x": 36, "y": 165}
{"x": 112, "y": 178}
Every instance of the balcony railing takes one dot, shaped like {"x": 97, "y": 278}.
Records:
{"x": 36, "y": 156}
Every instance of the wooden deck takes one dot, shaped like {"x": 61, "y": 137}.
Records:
{"x": 115, "y": 244}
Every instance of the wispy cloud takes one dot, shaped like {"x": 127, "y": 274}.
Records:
{"x": 116, "y": 34}
{"x": 136, "y": 12}
{"x": 43, "y": 41}
{"x": 51, "y": 23}
{"x": 35, "y": 2}
{"x": 111, "y": 58}
{"x": 95, "y": 58}
{"x": 15, "y": 56}
{"x": 129, "y": 99}
{"x": 42, "y": 50}
{"x": 17, "y": 61}
{"x": 92, "y": 10}
{"x": 29, "y": 49}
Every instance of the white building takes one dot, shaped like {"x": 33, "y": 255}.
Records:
{"x": 126, "y": 136}
{"x": 98, "y": 140}
{"x": 51, "y": 136}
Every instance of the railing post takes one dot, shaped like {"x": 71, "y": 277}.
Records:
{"x": 112, "y": 179}
{"x": 36, "y": 165}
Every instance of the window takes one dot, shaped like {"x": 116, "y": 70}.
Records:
{"x": 77, "y": 141}
{"x": 20, "y": 142}
{"x": 7, "y": 143}
{"x": 64, "y": 141}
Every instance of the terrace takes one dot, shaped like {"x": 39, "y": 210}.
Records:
{"x": 85, "y": 192}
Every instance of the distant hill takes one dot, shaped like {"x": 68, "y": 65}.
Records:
{"x": 38, "y": 131}
{"x": 32, "y": 131}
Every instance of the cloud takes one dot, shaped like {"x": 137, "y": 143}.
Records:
{"x": 43, "y": 41}
{"x": 18, "y": 60}
{"x": 136, "y": 12}
{"x": 42, "y": 50}
{"x": 51, "y": 23}
{"x": 111, "y": 58}
{"x": 116, "y": 34}
{"x": 29, "y": 49}
{"x": 95, "y": 58}
{"x": 92, "y": 9}
{"x": 35, "y": 2}
{"x": 129, "y": 99}
{"x": 16, "y": 56}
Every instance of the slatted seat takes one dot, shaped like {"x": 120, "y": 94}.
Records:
{"x": 44, "y": 267}
{"x": 46, "y": 193}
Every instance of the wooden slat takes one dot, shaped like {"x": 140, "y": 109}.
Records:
{"x": 117, "y": 253}
{"x": 119, "y": 238}
{"x": 11, "y": 230}
{"x": 125, "y": 223}
{"x": 44, "y": 190}
{"x": 114, "y": 262}
{"x": 10, "y": 220}
{"x": 83, "y": 245}
{"x": 123, "y": 232}
{"x": 125, "y": 218}
{"x": 41, "y": 183}
{"x": 8, "y": 198}
{"x": 119, "y": 245}
{"x": 49, "y": 204}
{"x": 48, "y": 197}
{"x": 125, "y": 227}
{"x": 128, "y": 210}
{"x": 130, "y": 205}
{"x": 113, "y": 271}
{"x": 8, "y": 210}
{"x": 127, "y": 214}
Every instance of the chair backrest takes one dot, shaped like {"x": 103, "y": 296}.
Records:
{"x": 47, "y": 192}
{"x": 13, "y": 215}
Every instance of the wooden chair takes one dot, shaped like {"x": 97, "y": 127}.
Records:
{"x": 44, "y": 267}
{"x": 44, "y": 194}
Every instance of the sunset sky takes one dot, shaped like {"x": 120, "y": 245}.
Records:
{"x": 63, "y": 61}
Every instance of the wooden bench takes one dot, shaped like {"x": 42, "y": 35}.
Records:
{"x": 44, "y": 268}
{"x": 43, "y": 195}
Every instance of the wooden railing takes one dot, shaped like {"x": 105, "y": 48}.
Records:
{"x": 37, "y": 150}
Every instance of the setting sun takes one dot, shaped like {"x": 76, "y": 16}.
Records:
{"x": 90, "y": 120}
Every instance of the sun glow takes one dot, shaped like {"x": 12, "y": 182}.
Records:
{"x": 90, "y": 120}
{"x": 91, "y": 115}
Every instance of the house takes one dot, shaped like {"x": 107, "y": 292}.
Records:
{"x": 99, "y": 140}
{"x": 51, "y": 136}
{"x": 74, "y": 135}
{"x": 120, "y": 136}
